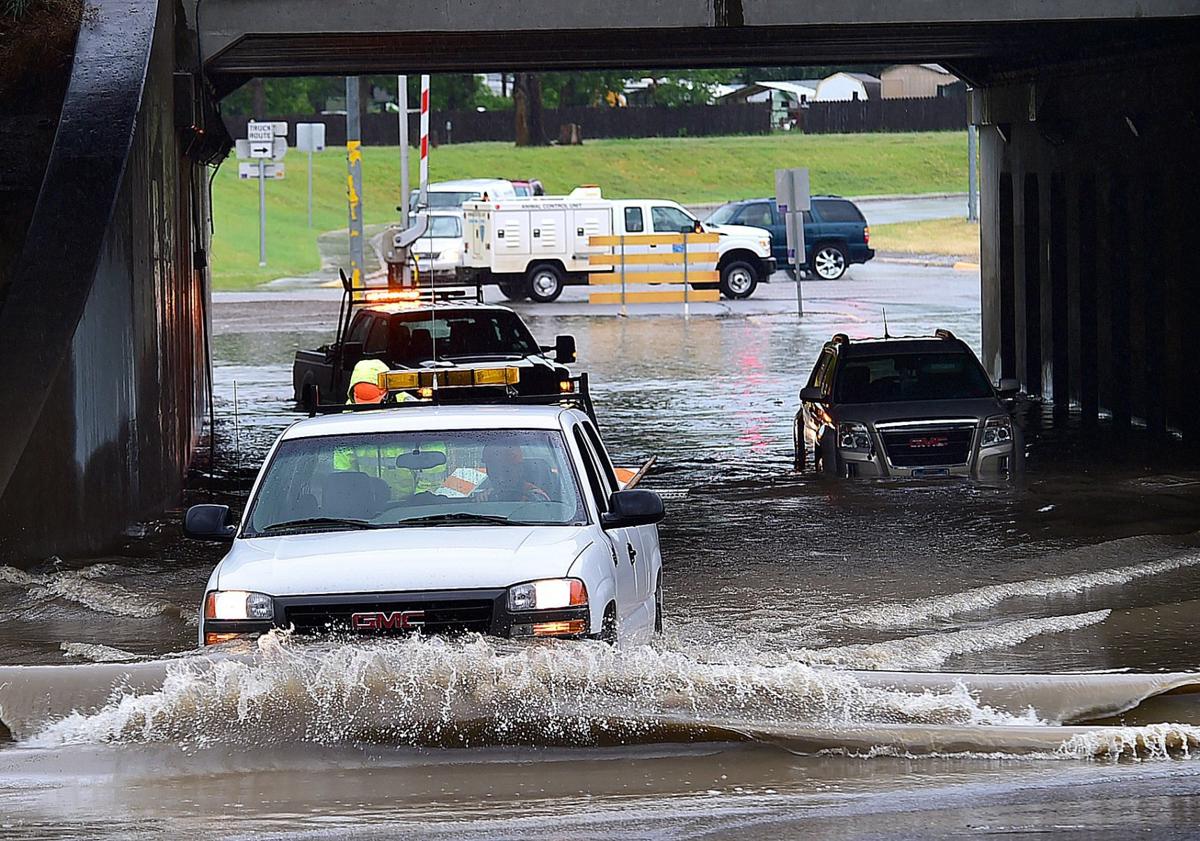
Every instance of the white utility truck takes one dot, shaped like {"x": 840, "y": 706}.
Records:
{"x": 533, "y": 247}
{"x": 507, "y": 520}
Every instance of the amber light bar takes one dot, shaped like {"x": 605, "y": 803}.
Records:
{"x": 450, "y": 378}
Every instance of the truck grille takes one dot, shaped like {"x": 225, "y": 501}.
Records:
{"x": 440, "y": 616}
{"x": 928, "y": 446}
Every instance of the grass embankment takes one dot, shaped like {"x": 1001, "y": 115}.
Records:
{"x": 688, "y": 170}
{"x": 951, "y": 237}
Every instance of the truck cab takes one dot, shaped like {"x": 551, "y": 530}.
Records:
{"x": 435, "y": 332}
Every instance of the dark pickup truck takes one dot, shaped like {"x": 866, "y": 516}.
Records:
{"x": 434, "y": 333}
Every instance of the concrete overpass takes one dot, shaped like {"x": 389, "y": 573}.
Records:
{"x": 1089, "y": 130}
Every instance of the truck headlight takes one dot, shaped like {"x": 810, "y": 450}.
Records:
{"x": 548, "y": 594}
{"x": 238, "y": 604}
{"x": 997, "y": 430}
{"x": 853, "y": 436}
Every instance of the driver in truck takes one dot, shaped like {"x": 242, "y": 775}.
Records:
{"x": 508, "y": 477}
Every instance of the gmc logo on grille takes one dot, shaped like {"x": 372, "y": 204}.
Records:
{"x": 396, "y": 620}
{"x": 929, "y": 442}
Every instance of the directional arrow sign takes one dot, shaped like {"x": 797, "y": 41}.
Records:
{"x": 261, "y": 148}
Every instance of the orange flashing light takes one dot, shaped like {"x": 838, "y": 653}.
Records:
{"x": 212, "y": 638}
{"x": 568, "y": 628}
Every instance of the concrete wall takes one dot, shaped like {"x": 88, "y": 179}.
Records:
{"x": 1089, "y": 283}
{"x": 114, "y": 422}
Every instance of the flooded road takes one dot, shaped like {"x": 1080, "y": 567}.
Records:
{"x": 741, "y": 720}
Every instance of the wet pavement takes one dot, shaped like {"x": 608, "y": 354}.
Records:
{"x": 740, "y": 722}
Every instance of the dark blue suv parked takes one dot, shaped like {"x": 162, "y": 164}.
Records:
{"x": 835, "y": 232}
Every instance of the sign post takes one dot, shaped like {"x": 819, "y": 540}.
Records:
{"x": 310, "y": 137}
{"x": 793, "y": 199}
{"x": 265, "y": 142}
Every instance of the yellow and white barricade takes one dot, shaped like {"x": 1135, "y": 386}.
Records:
{"x": 697, "y": 265}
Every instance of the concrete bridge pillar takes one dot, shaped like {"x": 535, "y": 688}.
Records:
{"x": 1090, "y": 189}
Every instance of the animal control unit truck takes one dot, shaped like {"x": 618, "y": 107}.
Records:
{"x": 533, "y": 247}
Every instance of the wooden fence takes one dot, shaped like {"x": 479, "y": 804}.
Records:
{"x": 947, "y": 113}
{"x": 473, "y": 126}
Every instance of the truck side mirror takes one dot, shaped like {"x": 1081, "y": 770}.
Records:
{"x": 632, "y": 508}
{"x": 209, "y": 522}
{"x": 812, "y": 394}
{"x": 1009, "y": 387}
{"x": 564, "y": 350}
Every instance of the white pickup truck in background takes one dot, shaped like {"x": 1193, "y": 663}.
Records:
{"x": 533, "y": 247}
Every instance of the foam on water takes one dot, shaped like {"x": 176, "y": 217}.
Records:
{"x": 1149, "y": 741}
{"x": 83, "y": 588}
{"x": 908, "y": 614}
{"x": 927, "y": 652}
{"x": 479, "y": 691}
{"x": 96, "y": 652}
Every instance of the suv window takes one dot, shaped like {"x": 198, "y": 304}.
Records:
{"x": 757, "y": 215}
{"x": 894, "y": 377}
{"x": 602, "y": 459}
{"x": 633, "y": 220}
{"x": 670, "y": 220}
{"x": 837, "y": 210}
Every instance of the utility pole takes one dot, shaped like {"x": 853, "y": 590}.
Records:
{"x": 354, "y": 181}
{"x": 402, "y": 104}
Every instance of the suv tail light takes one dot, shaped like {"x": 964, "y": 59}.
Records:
{"x": 867, "y": 234}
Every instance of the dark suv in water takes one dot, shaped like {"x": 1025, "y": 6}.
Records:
{"x": 835, "y": 232}
{"x": 906, "y": 407}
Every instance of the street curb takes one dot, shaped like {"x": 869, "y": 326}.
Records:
{"x": 902, "y": 196}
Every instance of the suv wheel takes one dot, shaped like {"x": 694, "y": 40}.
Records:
{"x": 545, "y": 283}
{"x": 514, "y": 290}
{"x": 830, "y": 261}
{"x": 738, "y": 280}
{"x": 827, "y": 460}
{"x": 801, "y": 449}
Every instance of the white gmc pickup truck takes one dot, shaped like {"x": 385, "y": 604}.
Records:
{"x": 504, "y": 520}
{"x": 533, "y": 247}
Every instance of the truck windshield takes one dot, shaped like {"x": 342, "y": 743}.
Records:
{"x": 404, "y": 479}
{"x": 448, "y": 227}
{"x": 442, "y": 200}
{"x": 897, "y": 377}
{"x": 489, "y": 334}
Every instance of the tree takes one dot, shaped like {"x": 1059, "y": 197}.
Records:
{"x": 527, "y": 113}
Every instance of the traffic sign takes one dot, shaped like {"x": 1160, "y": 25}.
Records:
{"x": 310, "y": 137}
{"x": 793, "y": 199}
{"x": 250, "y": 170}
{"x": 260, "y": 132}
{"x": 247, "y": 149}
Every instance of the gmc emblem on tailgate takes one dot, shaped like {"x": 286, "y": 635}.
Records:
{"x": 396, "y": 620}
{"x": 928, "y": 442}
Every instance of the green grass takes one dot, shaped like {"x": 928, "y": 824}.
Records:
{"x": 688, "y": 170}
{"x": 952, "y": 237}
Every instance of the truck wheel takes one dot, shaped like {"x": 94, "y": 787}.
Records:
{"x": 830, "y": 261}
{"x": 738, "y": 280}
{"x": 545, "y": 283}
{"x": 608, "y": 627}
{"x": 514, "y": 290}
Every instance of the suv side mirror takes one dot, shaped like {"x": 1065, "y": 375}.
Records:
{"x": 564, "y": 350}
{"x": 209, "y": 522}
{"x": 812, "y": 394}
{"x": 1009, "y": 387}
{"x": 632, "y": 508}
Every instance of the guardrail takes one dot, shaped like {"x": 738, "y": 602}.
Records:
{"x": 611, "y": 269}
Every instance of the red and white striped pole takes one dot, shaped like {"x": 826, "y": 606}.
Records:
{"x": 423, "y": 196}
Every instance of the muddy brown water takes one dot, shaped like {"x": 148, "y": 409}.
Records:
{"x": 745, "y": 719}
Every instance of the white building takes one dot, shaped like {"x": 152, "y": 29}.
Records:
{"x": 847, "y": 87}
